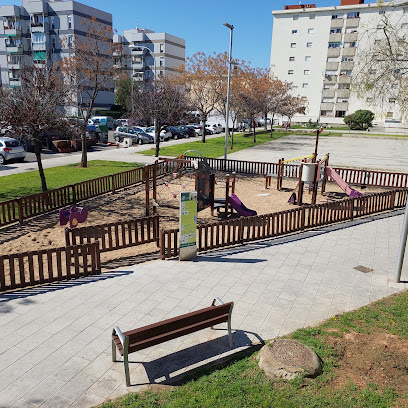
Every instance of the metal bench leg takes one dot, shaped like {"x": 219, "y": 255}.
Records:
{"x": 113, "y": 351}
{"x": 231, "y": 344}
{"x": 126, "y": 360}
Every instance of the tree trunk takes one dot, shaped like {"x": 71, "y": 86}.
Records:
{"x": 266, "y": 122}
{"x": 157, "y": 137}
{"x": 203, "y": 125}
{"x": 273, "y": 115}
{"x": 84, "y": 158}
{"x": 253, "y": 128}
{"x": 37, "y": 151}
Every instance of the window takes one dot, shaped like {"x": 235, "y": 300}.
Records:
{"x": 347, "y": 59}
{"x": 52, "y": 23}
{"x": 326, "y": 99}
{"x": 292, "y": 45}
{"x": 380, "y": 27}
{"x": 306, "y": 72}
{"x": 161, "y": 63}
{"x": 308, "y": 58}
{"x": 381, "y": 12}
{"x": 312, "y": 17}
{"x": 310, "y": 30}
{"x": 295, "y": 17}
{"x": 305, "y": 85}
{"x": 335, "y": 44}
{"x": 346, "y": 72}
{"x": 69, "y": 22}
{"x": 342, "y": 100}
{"x": 394, "y": 86}
{"x": 291, "y": 59}
{"x": 161, "y": 47}
{"x": 369, "y": 100}
{"x": 38, "y": 38}
{"x": 391, "y": 101}
{"x": 328, "y": 72}
{"x": 290, "y": 72}
{"x": 303, "y": 98}
{"x": 294, "y": 31}
{"x": 335, "y": 31}
{"x": 390, "y": 114}
{"x": 340, "y": 114}
{"x": 404, "y": 25}
{"x": 309, "y": 45}
{"x": 325, "y": 113}
{"x": 354, "y": 14}
{"x": 53, "y": 42}
{"x": 372, "y": 71}
{"x": 350, "y": 44}
{"x": 335, "y": 16}
{"x": 70, "y": 41}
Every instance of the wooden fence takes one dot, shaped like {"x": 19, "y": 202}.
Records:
{"x": 49, "y": 265}
{"x": 20, "y": 209}
{"x": 116, "y": 235}
{"x": 246, "y": 229}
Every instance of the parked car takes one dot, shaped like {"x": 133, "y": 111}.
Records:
{"x": 164, "y": 133}
{"x": 11, "y": 149}
{"x": 138, "y": 135}
{"x": 216, "y": 127}
{"x": 198, "y": 129}
{"x": 176, "y": 132}
{"x": 189, "y": 132}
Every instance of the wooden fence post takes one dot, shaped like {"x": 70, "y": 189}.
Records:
{"x": 113, "y": 184}
{"x": 67, "y": 240}
{"x": 154, "y": 186}
{"x": 74, "y": 194}
{"x": 147, "y": 188}
{"x": 325, "y": 175}
{"x": 278, "y": 182}
{"x": 351, "y": 213}
{"x": 227, "y": 187}
{"x": 392, "y": 199}
{"x": 20, "y": 210}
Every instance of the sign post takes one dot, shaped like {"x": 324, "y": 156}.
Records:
{"x": 188, "y": 225}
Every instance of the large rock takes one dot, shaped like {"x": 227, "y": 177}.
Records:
{"x": 288, "y": 359}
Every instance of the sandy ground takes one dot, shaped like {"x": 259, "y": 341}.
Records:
{"x": 45, "y": 232}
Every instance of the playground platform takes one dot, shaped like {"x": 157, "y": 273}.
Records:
{"x": 55, "y": 340}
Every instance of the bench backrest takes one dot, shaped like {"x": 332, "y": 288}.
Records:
{"x": 177, "y": 326}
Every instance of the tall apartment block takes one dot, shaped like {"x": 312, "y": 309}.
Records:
{"x": 147, "y": 54}
{"x": 34, "y": 32}
{"x": 315, "y": 50}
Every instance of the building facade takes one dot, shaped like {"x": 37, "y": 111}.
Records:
{"x": 147, "y": 55}
{"x": 316, "y": 49}
{"x": 42, "y": 32}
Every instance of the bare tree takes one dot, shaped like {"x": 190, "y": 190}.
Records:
{"x": 202, "y": 82}
{"x": 89, "y": 69}
{"x": 278, "y": 91}
{"x": 381, "y": 69}
{"x": 291, "y": 105}
{"x": 162, "y": 102}
{"x": 35, "y": 107}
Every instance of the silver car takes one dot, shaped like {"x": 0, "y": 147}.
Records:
{"x": 11, "y": 149}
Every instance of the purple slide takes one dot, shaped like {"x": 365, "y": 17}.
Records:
{"x": 341, "y": 183}
{"x": 240, "y": 208}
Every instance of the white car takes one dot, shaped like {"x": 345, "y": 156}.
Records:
{"x": 210, "y": 128}
{"x": 216, "y": 126}
{"x": 164, "y": 134}
{"x": 11, "y": 149}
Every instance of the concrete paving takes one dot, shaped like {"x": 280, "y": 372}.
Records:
{"x": 373, "y": 153}
{"x": 55, "y": 340}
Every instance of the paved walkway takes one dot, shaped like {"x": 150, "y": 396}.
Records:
{"x": 55, "y": 340}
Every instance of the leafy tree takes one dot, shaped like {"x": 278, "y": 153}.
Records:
{"x": 291, "y": 105}
{"x": 36, "y": 107}
{"x": 360, "y": 119}
{"x": 123, "y": 93}
{"x": 89, "y": 69}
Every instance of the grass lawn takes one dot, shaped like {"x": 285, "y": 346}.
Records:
{"x": 215, "y": 147}
{"x": 18, "y": 185}
{"x": 365, "y": 366}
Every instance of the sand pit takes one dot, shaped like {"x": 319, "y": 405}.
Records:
{"x": 44, "y": 232}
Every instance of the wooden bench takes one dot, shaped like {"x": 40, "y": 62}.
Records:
{"x": 134, "y": 340}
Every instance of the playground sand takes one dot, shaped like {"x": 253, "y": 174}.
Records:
{"x": 44, "y": 232}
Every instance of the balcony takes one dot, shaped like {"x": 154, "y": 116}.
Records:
{"x": 14, "y": 82}
{"x": 14, "y": 65}
{"x": 349, "y": 52}
{"x": 330, "y": 79}
{"x": 332, "y": 66}
{"x": 14, "y": 48}
{"x": 328, "y": 93}
{"x": 326, "y": 106}
{"x": 139, "y": 76}
{"x": 337, "y": 23}
{"x": 350, "y": 37}
{"x": 333, "y": 52}
{"x": 344, "y": 79}
{"x": 353, "y": 22}
{"x": 138, "y": 65}
{"x": 41, "y": 46}
{"x": 335, "y": 37}
{"x": 342, "y": 106}
{"x": 39, "y": 27}
{"x": 10, "y": 31}
{"x": 343, "y": 93}
{"x": 346, "y": 66}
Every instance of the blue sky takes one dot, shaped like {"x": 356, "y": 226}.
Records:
{"x": 200, "y": 22}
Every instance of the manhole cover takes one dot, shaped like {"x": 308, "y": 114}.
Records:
{"x": 288, "y": 359}
{"x": 363, "y": 269}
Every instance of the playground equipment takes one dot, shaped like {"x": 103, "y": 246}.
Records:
{"x": 75, "y": 215}
{"x": 240, "y": 208}
{"x": 341, "y": 183}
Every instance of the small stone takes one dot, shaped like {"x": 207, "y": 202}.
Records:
{"x": 288, "y": 359}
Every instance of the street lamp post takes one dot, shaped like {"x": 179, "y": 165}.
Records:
{"x": 231, "y": 27}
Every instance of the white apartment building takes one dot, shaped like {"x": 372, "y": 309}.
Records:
{"x": 147, "y": 54}
{"x": 34, "y": 32}
{"x": 315, "y": 50}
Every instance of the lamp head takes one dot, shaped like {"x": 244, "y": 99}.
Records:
{"x": 230, "y": 26}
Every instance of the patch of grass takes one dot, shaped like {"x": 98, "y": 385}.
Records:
{"x": 18, "y": 185}
{"x": 215, "y": 147}
{"x": 242, "y": 384}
